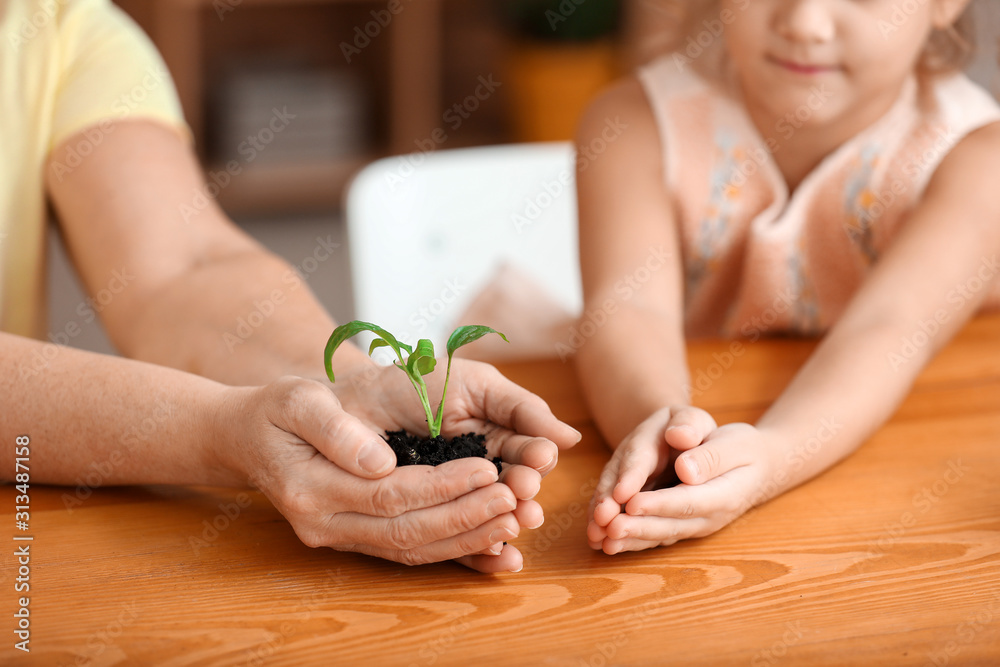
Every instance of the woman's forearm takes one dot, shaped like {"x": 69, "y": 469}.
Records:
{"x": 96, "y": 420}
{"x": 203, "y": 296}
{"x": 244, "y": 319}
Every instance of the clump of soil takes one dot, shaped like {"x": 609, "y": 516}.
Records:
{"x": 414, "y": 450}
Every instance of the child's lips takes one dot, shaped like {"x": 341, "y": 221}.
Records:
{"x": 803, "y": 68}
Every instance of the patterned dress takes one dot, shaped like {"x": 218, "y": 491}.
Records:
{"x": 759, "y": 259}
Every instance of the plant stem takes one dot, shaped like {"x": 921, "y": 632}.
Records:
{"x": 440, "y": 413}
{"x": 435, "y": 430}
{"x": 421, "y": 390}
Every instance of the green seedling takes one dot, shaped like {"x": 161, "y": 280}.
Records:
{"x": 416, "y": 362}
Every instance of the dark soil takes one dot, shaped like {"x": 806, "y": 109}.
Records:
{"x": 414, "y": 450}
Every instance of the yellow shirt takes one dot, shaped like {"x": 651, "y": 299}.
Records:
{"x": 68, "y": 69}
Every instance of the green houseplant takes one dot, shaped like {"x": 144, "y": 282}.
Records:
{"x": 563, "y": 20}
{"x": 418, "y": 361}
{"x": 562, "y": 56}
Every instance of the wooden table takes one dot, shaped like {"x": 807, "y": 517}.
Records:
{"x": 893, "y": 556}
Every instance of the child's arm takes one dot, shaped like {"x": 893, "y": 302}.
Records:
{"x": 631, "y": 267}
{"x": 857, "y": 376}
{"x": 632, "y": 368}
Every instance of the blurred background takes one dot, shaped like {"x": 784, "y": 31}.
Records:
{"x": 366, "y": 79}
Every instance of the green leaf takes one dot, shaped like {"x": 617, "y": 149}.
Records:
{"x": 345, "y": 331}
{"x": 469, "y": 334}
{"x": 459, "y": 337}
{"x": 422, "y": 361}
{"x": 415, "y": 364}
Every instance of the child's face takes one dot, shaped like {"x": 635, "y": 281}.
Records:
{"x": 823, "y": 60}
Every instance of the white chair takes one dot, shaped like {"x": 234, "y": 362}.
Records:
{"x": 433, "y": 235}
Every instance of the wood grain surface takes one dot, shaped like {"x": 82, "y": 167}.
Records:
{"x": 892, "y": 557}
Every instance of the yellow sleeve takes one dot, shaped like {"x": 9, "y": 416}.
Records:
{"x": 109, "y": 70}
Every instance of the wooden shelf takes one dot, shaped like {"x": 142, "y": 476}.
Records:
{"x": 414, "y": 38}
{"x": 268, "y": 189}
{"x": 410, "y": 85}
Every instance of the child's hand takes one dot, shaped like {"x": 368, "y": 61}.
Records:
{"x": 720, "y": 469}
